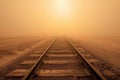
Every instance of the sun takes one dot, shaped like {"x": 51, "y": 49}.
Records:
{"x": 62, "y": 7}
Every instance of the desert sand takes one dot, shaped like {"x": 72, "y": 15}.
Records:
{"x": 106, "y": 48}
{"x": 13, "y": 48}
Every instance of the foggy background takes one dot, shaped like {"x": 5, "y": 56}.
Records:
{"x": 41, "y": 17}
{"x": 94, "y": 23}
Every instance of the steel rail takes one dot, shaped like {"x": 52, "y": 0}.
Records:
{"x": 96, "y": 74}
{"x": 30, "y": 74}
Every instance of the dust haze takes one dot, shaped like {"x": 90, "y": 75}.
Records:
{"x": 59, "y": 17}
{"x": 94, "y": 23}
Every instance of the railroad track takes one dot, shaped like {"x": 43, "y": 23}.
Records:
{"x": 61, "y": 60}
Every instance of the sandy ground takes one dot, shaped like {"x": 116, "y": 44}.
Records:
{"x": 107, "y": 48}
{"x": 13, "y": 48}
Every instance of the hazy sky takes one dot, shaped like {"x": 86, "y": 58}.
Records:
{"x": 38, "y": 17}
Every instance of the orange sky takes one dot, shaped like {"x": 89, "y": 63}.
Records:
{"x": 38, "y": 17}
